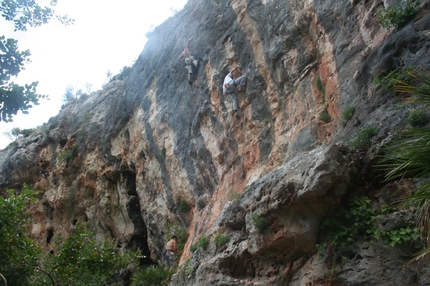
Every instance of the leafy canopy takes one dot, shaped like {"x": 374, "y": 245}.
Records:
{"x": 23, "y": 14}
{"x": 28, "y": 13}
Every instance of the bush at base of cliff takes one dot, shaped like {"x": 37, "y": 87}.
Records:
{"x": 151, "y": 276}
{"x": 77, "y": 258}
{"x": 17, "y": 249}
{"x": 80, "y": 259}
{"x": 357, "y": 221}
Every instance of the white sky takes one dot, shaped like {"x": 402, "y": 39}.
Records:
{"x": 106, "y": 36}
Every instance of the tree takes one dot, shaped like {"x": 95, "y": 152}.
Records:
{"x": 14, "y": 97}
{"x": 70, "y": 95}
{"x": 27, "y": 13}
{"x": 19, "y": 253}
{"x": 78, "y": 259}
{"x": 122, "y": 75}
{"x": 23, "y": 14}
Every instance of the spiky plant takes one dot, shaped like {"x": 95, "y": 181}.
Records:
{"x": 409, "y": 157}
{"x": 421, "y": 90}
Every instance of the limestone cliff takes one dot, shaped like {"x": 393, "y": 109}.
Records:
{"x": 126, "y": 158}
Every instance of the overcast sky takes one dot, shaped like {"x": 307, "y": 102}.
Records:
{"x": 106, "y": 36}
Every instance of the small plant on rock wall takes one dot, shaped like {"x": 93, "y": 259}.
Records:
{"x": 221, "y": 239}
{"x": 398, "y": 15}
{"x": 194, "y": 247}
{"x": 279, "y": 107}
{"x": 260, "y": 222}
{"x": 347, "y": 114}
{"x": 363, "y": 137}
{"x": 324, "y": 116}
{"x": 389, "y": 80}
{"x": 321, "y": 88}
{"x": 191, "y": 271}
{"x": 203, "y": 243}
{"x": 234, "y": 196}
{"x": 183, "y": 206}
{"x": 68, "y": 155}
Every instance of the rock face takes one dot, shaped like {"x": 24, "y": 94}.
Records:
{"x": 126, "y": 158}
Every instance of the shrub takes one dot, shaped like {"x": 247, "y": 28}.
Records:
{"x": 194, "y": 247}
{"x": 362, "y": 138}
{"x": 260, "y": 222}
{"x": 319, "y": 84}
{"x": 83, "y": 260}
{"x": 398, "y": 15}
{"x": 71, "y": 95}
{"x": 122, "y": 75}
{"x": 16, "y": 132}
{"x": 324, "y": 116}
{"x": 321, "y": 88}
{"x": 221, "y": 239}
{"x": 203, "y": 242}
{"x": 417, "y": 118}
{"x": 356, "y": 221}
{"x": 347, "y": 114}
{"x": 151, "y": 276}
{"x": 67, "y": 155}
{"x": 408, "y": 157}
{"x": 391, "y": 79}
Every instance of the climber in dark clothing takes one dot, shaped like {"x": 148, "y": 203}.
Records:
{"x": 191, "y": 63}
{"x": 41, "y": 170}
